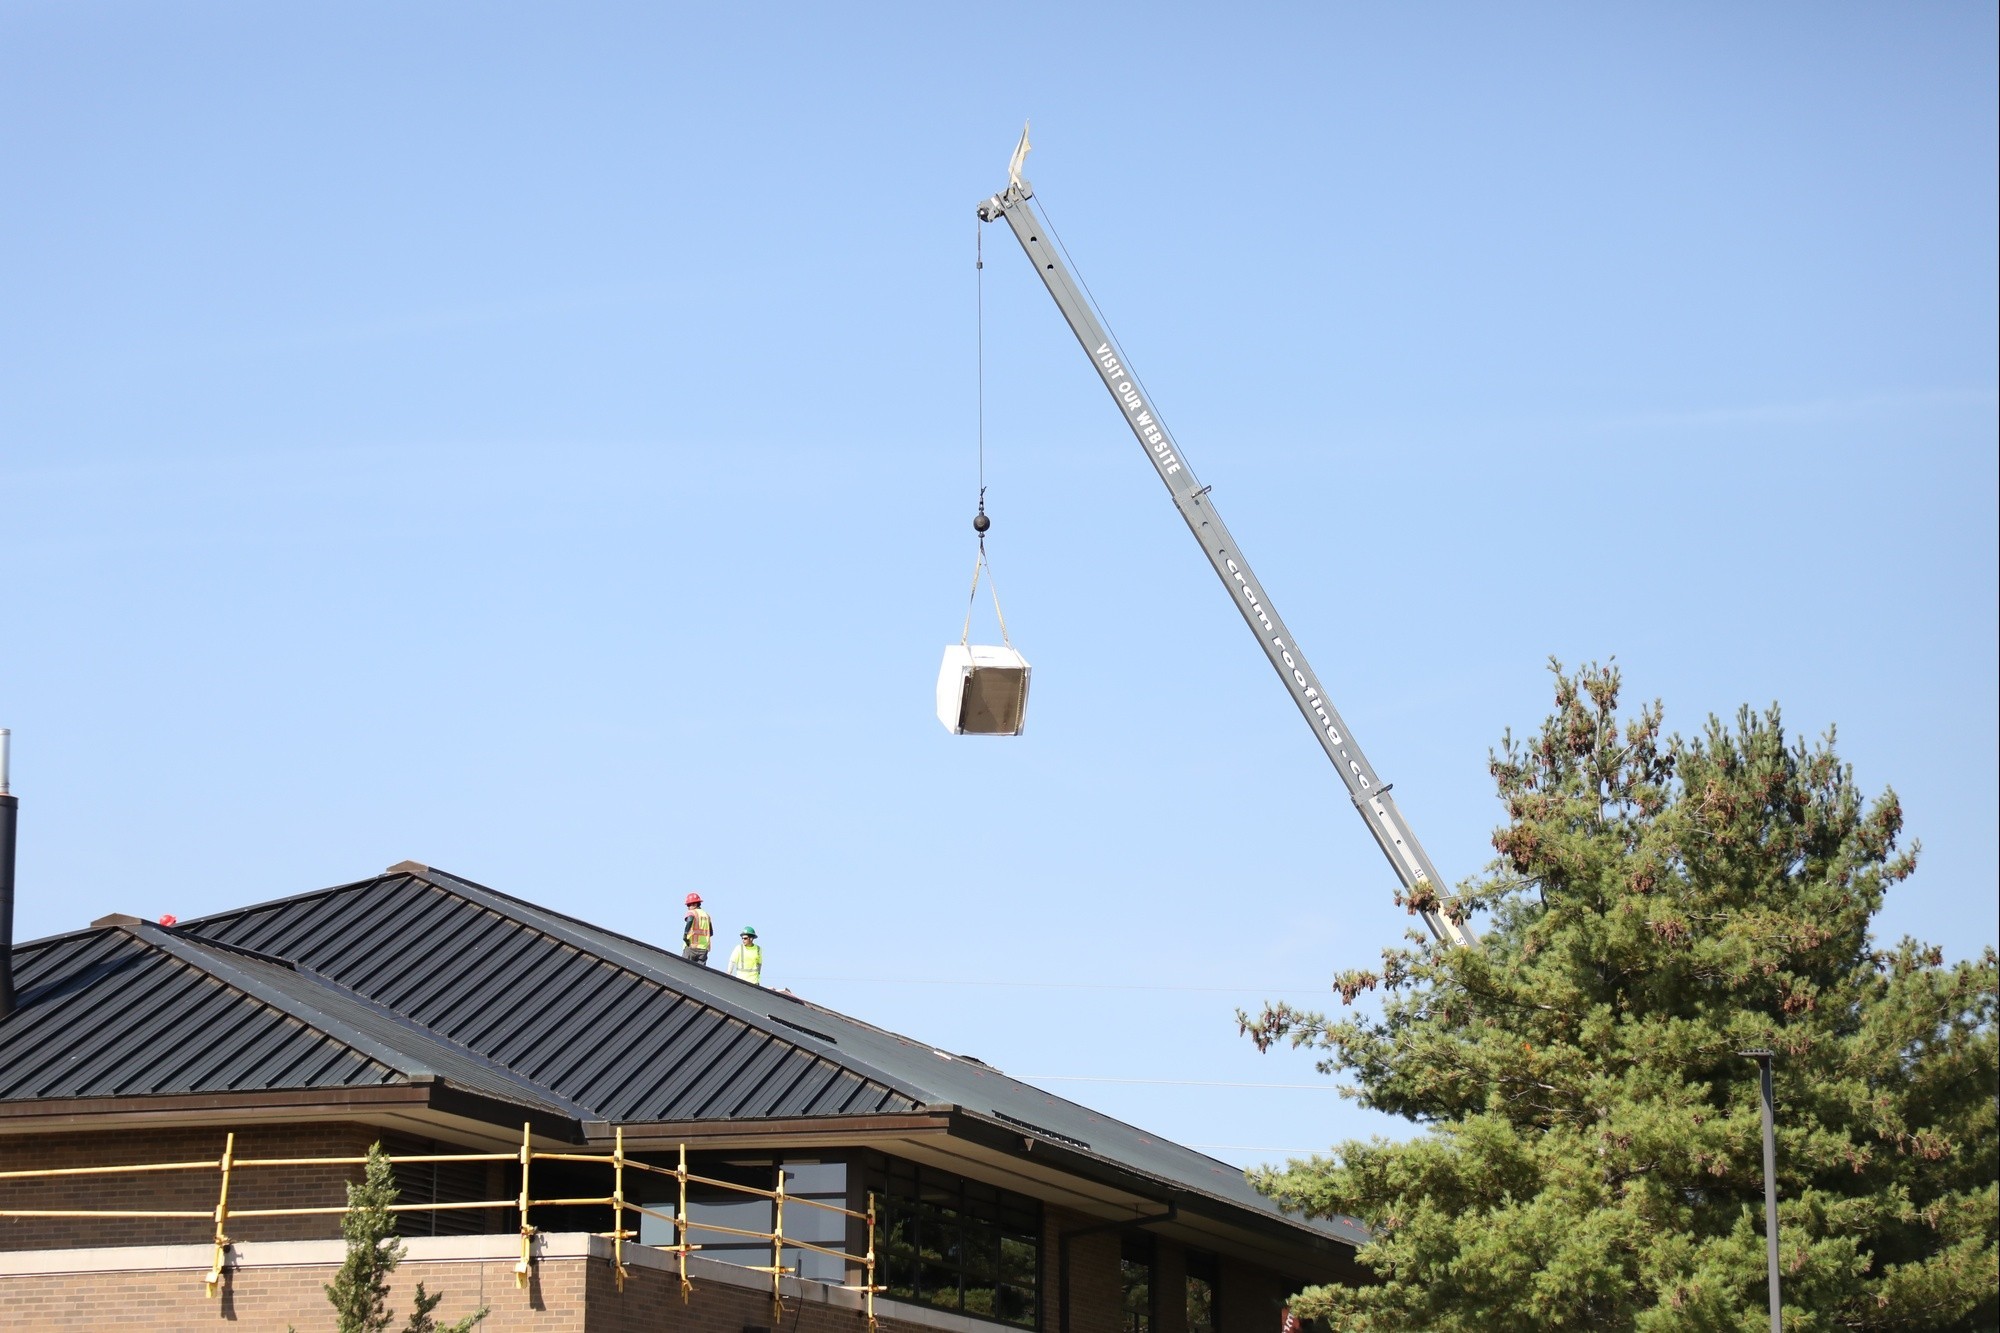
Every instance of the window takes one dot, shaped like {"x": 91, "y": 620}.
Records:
{"x": 820, "y": 1182}
{"x": 1200, "y": 1292}
{"x": 712, "y": 1206}
{"x": 956, "y": 1244}
{"x": 1135, "y": 1268}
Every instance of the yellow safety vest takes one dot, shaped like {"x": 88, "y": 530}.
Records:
{"x": 700, "y": 929}
{"x": 747, "y": 962}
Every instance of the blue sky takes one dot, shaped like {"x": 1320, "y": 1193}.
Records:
{"x": 540, "y": 441}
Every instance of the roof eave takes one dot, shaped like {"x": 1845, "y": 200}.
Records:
{"x": 1297, "y": 1232}
{"x": 424, "y": 1098}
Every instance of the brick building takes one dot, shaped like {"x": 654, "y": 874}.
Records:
{"x": 444, "y": 1019}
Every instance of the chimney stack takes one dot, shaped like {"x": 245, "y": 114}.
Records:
{"x": 9, "y": 809}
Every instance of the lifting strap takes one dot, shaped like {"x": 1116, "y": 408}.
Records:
{"x": 972, "y": 600}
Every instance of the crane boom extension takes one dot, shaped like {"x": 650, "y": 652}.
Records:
{"x": 1371, "y": 795}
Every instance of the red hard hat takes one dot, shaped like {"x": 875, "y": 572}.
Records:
{"x": 694, "y": 900}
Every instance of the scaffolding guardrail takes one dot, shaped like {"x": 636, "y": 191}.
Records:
{"x": 229, "y": 1165}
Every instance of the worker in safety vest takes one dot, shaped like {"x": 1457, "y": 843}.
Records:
{"x": 696, "y": 932}
{"x": 746, "y": 960}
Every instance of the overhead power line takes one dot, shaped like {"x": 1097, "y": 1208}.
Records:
{"x": 1172, "y": 1082}
{"x": 1067, "y": 985}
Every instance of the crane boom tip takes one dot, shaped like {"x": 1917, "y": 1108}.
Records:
{"x": 1020, "y": 158}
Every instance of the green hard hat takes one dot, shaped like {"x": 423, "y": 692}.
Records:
{"x": 751, "y": 931}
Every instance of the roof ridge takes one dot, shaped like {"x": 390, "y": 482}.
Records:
{"x": 193, "y": 950}
{"x": 639, "y": 967}
{"x": 190, "y": 952}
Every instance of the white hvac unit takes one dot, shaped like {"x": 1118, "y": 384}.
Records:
{"x": 982, "y": 690}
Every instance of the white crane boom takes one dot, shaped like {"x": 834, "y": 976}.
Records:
{"x": 1371, "y": 795}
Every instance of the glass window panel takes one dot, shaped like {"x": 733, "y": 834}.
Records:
{"x": 656, "y": 1230}
{"x": 1016, "y": 1305}
{"x": 898, "y": 1269}
{"x": 1200, "y": 1305}
{"x": 821, "y": 1226}
{"x": 816, "y": 1178}
{"x": 1135, "y": 1270}
{"x": 941, "y": 1242}
{"x": 1201, "y": 1277}
{"x": 939, "y": 1284}
{"x": 807, "y": 1182}
{"x": 740, "y": 1213}
{"x": 952, "y": 1243}
{"x": 1018, "y": 1261}
{"x": 979, "y": 1256}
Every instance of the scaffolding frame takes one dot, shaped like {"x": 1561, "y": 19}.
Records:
{"x": 229, "y": 1165}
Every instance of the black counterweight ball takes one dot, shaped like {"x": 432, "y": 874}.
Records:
{"x": 980, "y": 523}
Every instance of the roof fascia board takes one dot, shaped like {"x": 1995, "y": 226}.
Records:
{"x": 825, "y": 1130}
{"x": 1191, "y": 1225}
{"x": 76, "y": 1111}
{"x": 1046, "y": 1163}
{"x": 501, "y": 1119}
{"x": 984, "y": 1130}
{"x": 471, "y": 1104}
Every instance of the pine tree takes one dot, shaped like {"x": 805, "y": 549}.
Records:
{"x": 1592, "y": 1151}
{"x": 359, "y": 1292}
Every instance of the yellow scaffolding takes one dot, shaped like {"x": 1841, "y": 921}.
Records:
{"x": 229, "y": 1165}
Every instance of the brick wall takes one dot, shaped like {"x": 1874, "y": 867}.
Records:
{"x": 1096, "y": 1292}
{"x": 194, "y": 1191}
{"x": 274, "y": 1298}
{"x": 197, "y": 1190}
{"x": 1249, "y": 1297}
{"x": 651, "y": 1301}
{"x": 568, "y": 1294}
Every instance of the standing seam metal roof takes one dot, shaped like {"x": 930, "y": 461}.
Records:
{"x": 702, "y": 1044}
{"x": 504, "y": 978}
{"x": 416, "y": 974}
{"x": 135, "y": 1009}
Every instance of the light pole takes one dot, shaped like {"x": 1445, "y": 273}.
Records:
{"x": 1763, "y": 1059}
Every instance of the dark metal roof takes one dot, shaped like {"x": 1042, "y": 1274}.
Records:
{"x": 416, "y": 973}
{"x": 104, "y": 1013}
{"x": 717, "y": 1047}
{"x": 605, "y": 1022}
{"x": 389, "y": 1037}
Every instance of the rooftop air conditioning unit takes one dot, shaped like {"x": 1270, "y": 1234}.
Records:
{"x": 982, "y": 690}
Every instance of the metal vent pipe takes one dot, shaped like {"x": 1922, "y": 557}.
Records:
{"x": 10, "y": 808}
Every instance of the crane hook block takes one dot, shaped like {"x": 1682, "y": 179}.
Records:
{"x": 980, "y": 523}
